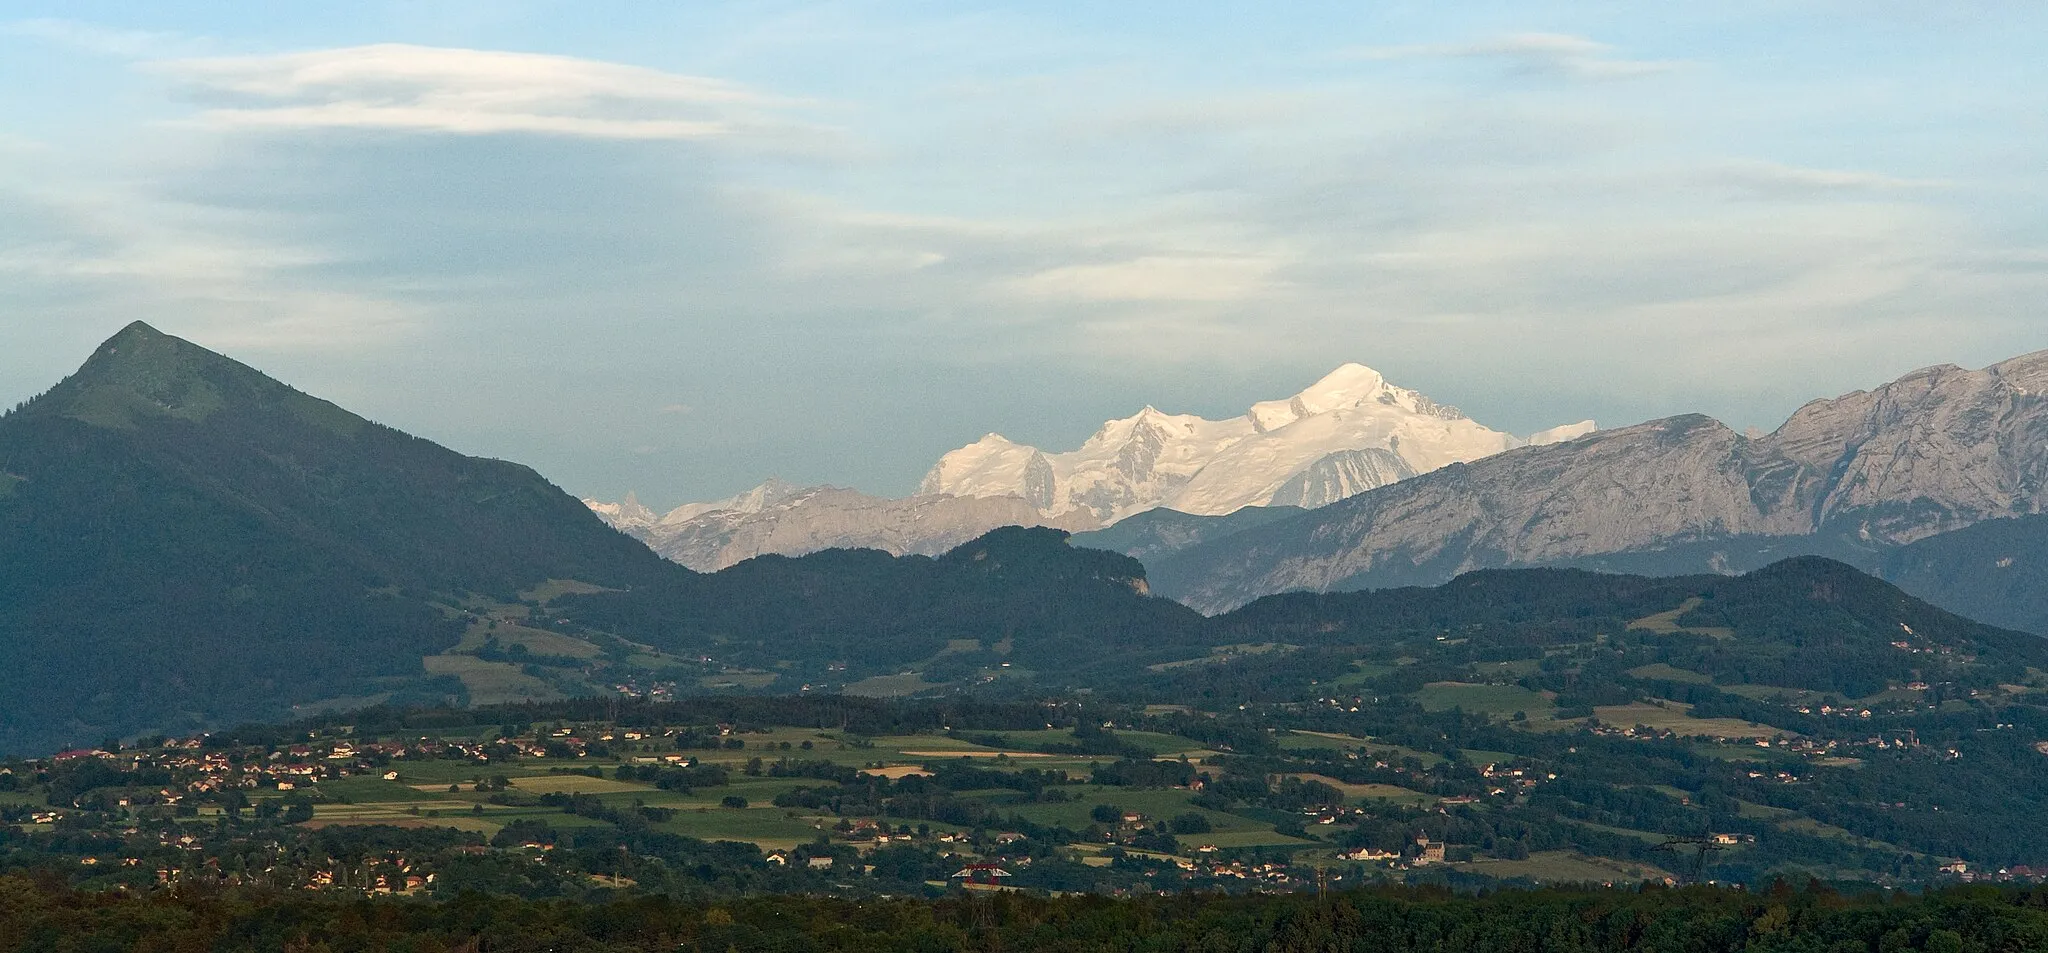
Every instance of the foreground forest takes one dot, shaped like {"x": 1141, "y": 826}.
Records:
{"x": 45, "y": 915}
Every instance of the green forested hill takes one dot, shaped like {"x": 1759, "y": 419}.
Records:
{"x": 184, "y": 540}
{"x": 1018, "y": 595}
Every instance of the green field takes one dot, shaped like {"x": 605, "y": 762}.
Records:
{"x": 1229, "y": 830}
{"x": 367, "y": 790}
{"x": 575, "y": 784}
{"x": 1663, "y": 672}
{"x": 1565, "y": 867}
{"x": 1675, "y": 717}
{"x": 1153, "y": 742}
{"x": 769, "y": 827}
{"x": 1373, "y": 792}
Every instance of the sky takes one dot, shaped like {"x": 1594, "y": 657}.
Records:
{"x": 678, "y": 248}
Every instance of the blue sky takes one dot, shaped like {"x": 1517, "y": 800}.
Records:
{"x": 682, "y": 247}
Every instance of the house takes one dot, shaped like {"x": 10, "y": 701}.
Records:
{"x": 819, "y": 863}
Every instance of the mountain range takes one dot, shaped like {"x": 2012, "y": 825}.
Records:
{"x": 185, "y": 542}
{"x": 1350, "y": 432}
{"x": 1855, "y": 477}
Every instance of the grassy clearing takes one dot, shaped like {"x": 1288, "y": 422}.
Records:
{"x": 554, "y": 589}
{"x": 1362, "y": 672}
{"x": 1225, "y": 653}
{"x": 1519, "y": 668}
{"x": 1648, "y": 837}
{"x": 1666, "y": 623}
{"x": 491, "y": 683}
{"x": 1320, "y": 741}
{"x": 1807, "y": 825}
{"x": 1371, "y": 792}
{"x": 1242, "y": 838}
{"x": 1676, "y": 718}
{"x": 536, "y": 641}
{"x": 1664, "y": 672}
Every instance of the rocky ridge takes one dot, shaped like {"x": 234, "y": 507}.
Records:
{"x": 1935, "y": 450}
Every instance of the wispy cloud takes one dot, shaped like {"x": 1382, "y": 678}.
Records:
{"x": 1777, "y": 180}
{"x": 1555, "y": 54}
{"x": 409, "y": 88}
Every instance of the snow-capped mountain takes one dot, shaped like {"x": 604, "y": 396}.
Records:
{"x": 1350, "y": 432}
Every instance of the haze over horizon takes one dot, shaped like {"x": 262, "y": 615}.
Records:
{"x": 829, "y": 242}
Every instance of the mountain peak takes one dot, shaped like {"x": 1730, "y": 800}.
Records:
{"x": 1346, "y": 385}
{"x": 136, "y": 331}
{"x": 1350, "y": 385}
{"x": 143, "y": 374}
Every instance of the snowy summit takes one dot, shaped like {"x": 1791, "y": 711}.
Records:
{"x": 1345, "y": 434}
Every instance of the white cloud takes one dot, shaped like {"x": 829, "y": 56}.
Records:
{"x": 1558, "y": 54}
{"x": 1154, "y": 278}
{"x": 409, "y": 88}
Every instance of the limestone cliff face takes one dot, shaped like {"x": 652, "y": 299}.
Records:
{"x": 831, "y": 518}
{"x": 1933, "y": 451}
